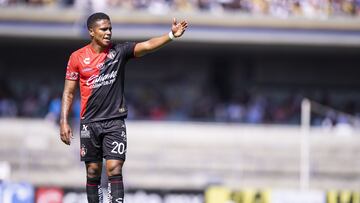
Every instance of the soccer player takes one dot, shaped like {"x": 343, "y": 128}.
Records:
{"x": 99, "y": 70}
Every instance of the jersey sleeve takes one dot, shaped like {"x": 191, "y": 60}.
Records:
{"x": 72, "y": 70}
{"x": 128, "y": 49}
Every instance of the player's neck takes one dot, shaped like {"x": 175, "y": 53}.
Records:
{"x": 97, "y": 48}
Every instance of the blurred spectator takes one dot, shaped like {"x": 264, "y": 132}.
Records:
{"x": 7, "y": 2}
{"x": 287, "y": 110}
{"x": 296, "y": 9}
{"x": 8, "y": 106}
{"x": 256, "y": 110}
{"x": 204, "y": 4}
{"x": 183, "y": 5}
{"x": 114, "y": 3}
{"x": 259, "y": 7}
{"x": 66, "y": 3}
{"x": 236, "y": 112}
{"x": 275, "y": 8}
{"x": 54, "y": 109}
{"x": 30, "y": 106}
{"x": 185, "y": 102}
{"x": 158, "y": 7}
{"x": 280, "y": 8}
{"x": 230, "y": 5}
{"x": 154, "y": 103}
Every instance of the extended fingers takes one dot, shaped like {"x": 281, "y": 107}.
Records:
{"x": 179, "y": 28}
{"x": 184, "y": 24}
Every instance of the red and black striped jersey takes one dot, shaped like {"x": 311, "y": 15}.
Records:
{"x": 101, "y": 79}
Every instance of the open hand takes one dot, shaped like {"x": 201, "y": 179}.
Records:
{"x": 178, "y": 29}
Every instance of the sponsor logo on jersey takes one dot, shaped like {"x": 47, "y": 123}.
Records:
{"x": 87, "y": 60}
{"x": 87, "y": 69}
{"x": 72, "y": 75}
{"x": 96, "y": 81}
{"x": 84, "y": 127}
{"x": 84, "y": 133}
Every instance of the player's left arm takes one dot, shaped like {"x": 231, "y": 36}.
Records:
{"x": 177, "y": 30}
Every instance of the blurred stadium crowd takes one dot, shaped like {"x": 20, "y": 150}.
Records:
{"x": 274, "y": 8}
{"x": 156, "y": 103}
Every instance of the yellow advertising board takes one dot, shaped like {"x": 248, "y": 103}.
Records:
{"x": 343, "y": 196}
{"x": 225, "y": 195}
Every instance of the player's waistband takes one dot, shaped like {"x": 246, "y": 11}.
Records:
{"x": 95, "y": 120}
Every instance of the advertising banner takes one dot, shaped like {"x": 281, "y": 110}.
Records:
{"x": 342, "y": 196}
{"x": 47, "y": 195}
{"x": 297, "y": 196}
{"x": 164, "y": 196}
{"x": 16, "y": 193}
{"x": 25, "y": 193}
{"x": 71, "y": 195}
{"x": 75, "y": 196}
{"x": 226, "y": 195}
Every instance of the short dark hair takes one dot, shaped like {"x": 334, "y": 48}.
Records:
{"x": 95, "y": 17}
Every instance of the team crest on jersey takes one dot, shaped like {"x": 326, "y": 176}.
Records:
{"x": 83, "y": 151}
{"x": 111, "y": 54}
{"x": 100, "y": 66}
{"x": 87, "y": 60}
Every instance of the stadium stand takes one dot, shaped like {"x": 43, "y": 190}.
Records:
{"x": 34, "y": 153}
{"x": 160, "y": 155}
{"x": 276, "y": 8}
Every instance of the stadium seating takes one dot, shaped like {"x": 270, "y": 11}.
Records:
{"x": 188, "y": 155}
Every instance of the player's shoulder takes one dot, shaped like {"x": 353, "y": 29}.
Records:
{"x": 122, "y": 44}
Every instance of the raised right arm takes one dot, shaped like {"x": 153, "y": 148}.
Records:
{"x": 67, "y": 100}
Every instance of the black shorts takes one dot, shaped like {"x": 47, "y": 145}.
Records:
{"x": 103, "y": 139}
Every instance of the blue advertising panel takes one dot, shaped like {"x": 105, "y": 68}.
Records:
{"x": 16, "y": 193}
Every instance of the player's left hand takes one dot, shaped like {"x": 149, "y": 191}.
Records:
{"x": 178, "y": 29}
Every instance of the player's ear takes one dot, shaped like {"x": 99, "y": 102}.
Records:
{"x": 91, "y": 32}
